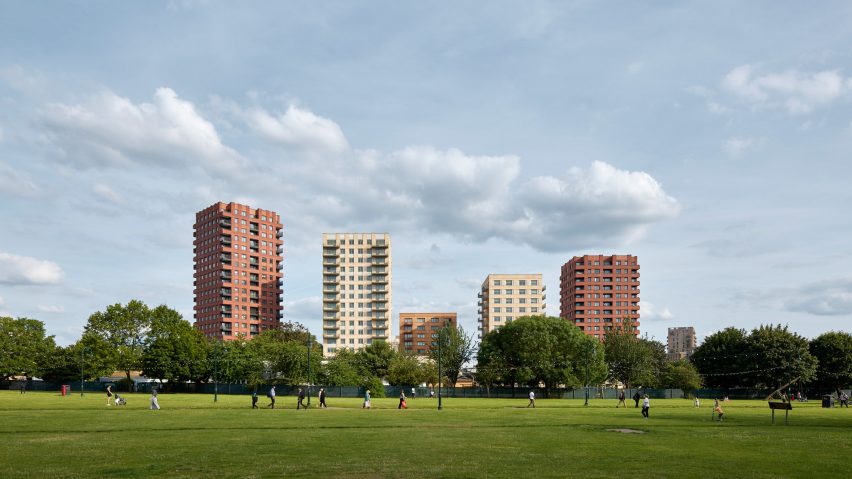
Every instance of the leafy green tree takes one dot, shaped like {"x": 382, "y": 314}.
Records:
{"x": 833, "y": 350}
{"x": 778, "y": 356}
{"x": 286, "y": 358}
{"x": 376, "y": 358}
{"x": 457, "y": 348}
{"x": 375, "y": 385}
{"x": 343, "y": 369}
{"x": 681, "y": 375}
{"x": 540, "y": 349}
{"x": 123, "y": 330}
{"x": 406, "y": 370}
{"x": 235, "y": 361}
{"x": 722, "y": 358}
{"x": 630, "y": 360}
{"x": 174, "y": 350}
{"x": 24, "y": 347}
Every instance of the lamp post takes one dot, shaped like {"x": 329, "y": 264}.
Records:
{"x": 309, "y": 370}
{"x": 440, "y": 340}
{"x": 82, "y": 383}
{"x": 216, "y": 372}
{"x": 587, "y": 372}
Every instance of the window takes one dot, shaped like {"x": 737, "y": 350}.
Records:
{"x": 496, "y": 282}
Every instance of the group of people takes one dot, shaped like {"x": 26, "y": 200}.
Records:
{"x": 300, "y": 402}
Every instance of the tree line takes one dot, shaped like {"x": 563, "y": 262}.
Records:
{"x": 530, "y": 351}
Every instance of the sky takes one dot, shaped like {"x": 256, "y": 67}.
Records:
{"x": 710, "y": 139}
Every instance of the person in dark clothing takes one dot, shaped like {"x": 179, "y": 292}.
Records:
{"x": 301, "y": 403}
{"x": 621, "y": 399}
{"x": 322, "y": 398}
{"x": 402, "y": 400}
{"x": 254, "y": 399}
{"x": 636, "y": 398}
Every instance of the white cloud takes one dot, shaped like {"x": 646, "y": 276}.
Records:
{"x": 797, "y": 92}
{"x": 2, "y": 301}
{"x": 51, "y": 309}
{"x": 303, "y": 309}
{"x": 299, "y": 128}
{"x": 651, "y": 312}
{"x": 709, "y": 97}
{"x": 13, "y": 184}
{"x": 107, "y": 193}
{"x": 822, "y": 298}
{"x": 110, "y": 130}
{"x": 20, "y": 270}
{"x": 737, "y": 146}
{"x": 635, "y": 68}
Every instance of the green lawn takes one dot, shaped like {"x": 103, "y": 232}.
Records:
{"x": 46, "y": 435}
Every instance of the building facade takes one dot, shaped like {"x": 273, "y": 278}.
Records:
{"x": 505, "y": 297}
{"x": 357, "y": 290}
{"x": 418, "y": 332}
{"x": 238, "y": 262}
{"x": 681, "y": 343}
{"x": 598, "y": 293}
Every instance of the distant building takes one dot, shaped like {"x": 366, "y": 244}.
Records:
{"x": 356, "y": 290}
{"x": 238, "y": 262}
{"x": 506, "y": 297}
{"x": 418, "y": 332}
{"x": 681, "y": 343}
{"x": 598, "y": 293}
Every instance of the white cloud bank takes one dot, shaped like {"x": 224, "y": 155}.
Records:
{"x": 110, "y": 130}
{"x": 797, "y": 92}
{"x": 51, "y": 309}
{"x": 22, "y": 270}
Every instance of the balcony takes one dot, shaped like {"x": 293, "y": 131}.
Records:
{"x": 225, "y": 240}
{"x": 280, "y": 249}
{"x": 379, "y": 252}
{"x": 329, "y": 252}
{"x": 331, "y": 261}
{"x": 225, "y": 223}
{"x": 383, "y": 306}
{"x": 479, "y": 295}
{"x": 225, "y": 276}
{"x": 330, "y": 308}
{"x": 280, "y": 233}
{"x": 280, "y": 265}
{"x": 225, "y": 292}
{"x": 225, "y": 258}
{"x": 380, "y": 279}
{"x": 383, "y": 327}
{"x": 329, "y": 279}
{"x": 331, "y": 289}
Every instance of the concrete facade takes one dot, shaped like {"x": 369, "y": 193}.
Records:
{"x": 238, "y": 261}
{"x": 681, "y": 343}
{"x": 357, "y": 290}
{"x": 599, "y": 292}
{"x": 418, "y": 332}
{"x": 506, "y": 297}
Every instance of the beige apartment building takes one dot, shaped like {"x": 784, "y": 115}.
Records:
{"x": 681, "y": 343}
{"x": 356, "y": 287}
{"x": 505, "y": 297}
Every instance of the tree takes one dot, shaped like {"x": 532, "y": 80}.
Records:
{"x": 721, "y": 359}
{"x": 777, "y": 357}
{"x": 174, "y": 350}
{"x": 405, "y": 370}
{"x": 24, "y": 348}
{"x": 539, "y": 349}
{"x": 631, "y": 361}
{"x": 376, "y": 358}
{"x": 286, "y": 358}
{"x": 833, "y": 350}
{"x": 343, "y": 369}
{"x": 681, "y": 375}
{"x": 123, "y": 329}
{"x": 457, "y": 348}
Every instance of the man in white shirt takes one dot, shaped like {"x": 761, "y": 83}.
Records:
{"x": 646, "y": 406}
{"x": 532, "y": 399}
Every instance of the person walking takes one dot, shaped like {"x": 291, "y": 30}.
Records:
{"x": 413, "y": 393}
{"x": 254, "y": 399}
{"x": 697, "y": 402}
{"x": 431, "y": 393}
{"x": 844, "y": 400}
{"x": 271, "y": 396}
{"x": 636, "y": 398}
{"x": 155, "y": 404}
{"x": 301, "y": 402}
{"x": 402, "y": 400}
{"x": 532, "y": 399}
{"x": 322, "y": 398}
{"x": 646, "y": 406}
{"x": 366, "y": 399}
{"x": 109, "y": 394}
{"x": 621, "y": 399}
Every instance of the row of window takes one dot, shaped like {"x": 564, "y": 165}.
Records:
{"x": 511, "y": 300}
{"x": 512, "y": 291}
{"x": 511, "y": 310}
{"x": 509, "y": 282}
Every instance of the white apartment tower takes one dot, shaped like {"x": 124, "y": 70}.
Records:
{"x": 356, "y": 287}
{"x": 505, "y": 297}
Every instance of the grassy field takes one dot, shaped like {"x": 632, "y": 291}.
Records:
{"x": 46, "y": 435}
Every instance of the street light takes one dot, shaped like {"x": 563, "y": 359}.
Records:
{"x": 216, "y": 372}
{"x": 82, "y": 384}
{"x": 593, "y": 349}
{"x": 440, "y": 373}
{"x": 309, "y": 369}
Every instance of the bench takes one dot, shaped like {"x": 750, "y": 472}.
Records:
{"x": 785, "y": 406}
